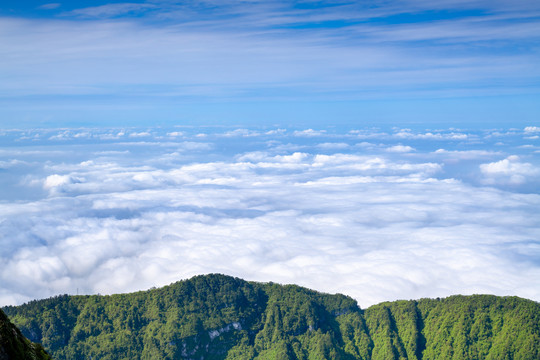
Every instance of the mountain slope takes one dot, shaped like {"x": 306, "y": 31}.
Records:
{"x": 14, "y": 346}
{"x": 220, "y": 317}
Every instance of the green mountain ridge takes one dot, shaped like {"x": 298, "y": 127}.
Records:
{"x": 222, "y": 317}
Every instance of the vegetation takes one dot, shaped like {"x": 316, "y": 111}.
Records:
{"x": 14, "y": 346}
{"x": 220, "y": 317}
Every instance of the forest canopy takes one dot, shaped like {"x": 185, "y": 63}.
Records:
{"x": 221, "y": 317}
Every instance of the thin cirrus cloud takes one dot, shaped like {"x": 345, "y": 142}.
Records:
{"x": 109, "y": 10}
{"x": 123, "y": 213}
{"x": 50, "y": 6}
{"x": 269, "y": 62}
{"x": 204, "y": 55}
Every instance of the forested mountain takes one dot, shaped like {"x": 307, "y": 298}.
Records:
{"x": 14, "y": 346}
{"x": 220, "y": 317}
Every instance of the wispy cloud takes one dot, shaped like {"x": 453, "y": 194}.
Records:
{"x": 109, "y": 10}
{"x": 50, "y": 6}
{"x": 238, "y": 54}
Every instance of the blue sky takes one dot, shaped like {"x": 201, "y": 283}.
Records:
{"x": 385, "y": 150}
{"x": 252, "y": 63}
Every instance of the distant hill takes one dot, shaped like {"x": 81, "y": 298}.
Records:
{"x": 221, "y": 317}
{"x": 14, "y": 346}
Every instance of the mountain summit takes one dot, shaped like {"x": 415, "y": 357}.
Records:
{"x": 221, "y": 317}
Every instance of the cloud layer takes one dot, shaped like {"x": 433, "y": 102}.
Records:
{"x": 403, "y": 216}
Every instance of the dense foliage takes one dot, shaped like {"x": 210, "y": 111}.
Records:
{"x": 14, "y": 346}
{"x": 220, "y": 317}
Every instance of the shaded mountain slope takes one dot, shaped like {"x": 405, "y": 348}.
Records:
{"x": 14, "y": 346}
{"x": 221, "y": 317}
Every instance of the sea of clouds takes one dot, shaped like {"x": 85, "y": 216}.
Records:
{"x": 374, "y": 214}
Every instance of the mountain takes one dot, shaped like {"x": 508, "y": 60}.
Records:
{"x": 14, "y": 346}
{"x": 221, "y": 317}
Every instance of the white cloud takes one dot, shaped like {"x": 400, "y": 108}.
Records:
{"x": 532, "y": 129}
{"x": 53, "y": 181}
{"x": 242, "y": 132}
{"x": 331, "y": 145}
{"x": 309, "y": 132}
{"x": 408, "y": 134}
{"x": 254, "y": 156}
{"x": 400, "y": 149}
{"x": 368, "y": 134}
{"x": 10, "y": 163}
{"x": 510, "y": 170}
{"x": 139, "y": 134}
{"x": 175, "y": 133}
{"x": 276, "y": 132}
{"x": 111, "y": 136}
{"x": 467, "y": 153}
{"x": 451, "y": 155}
{"x": 376, "y": 226}
{"x": 61, "y": 136}
{"x": 293, "y": 158}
